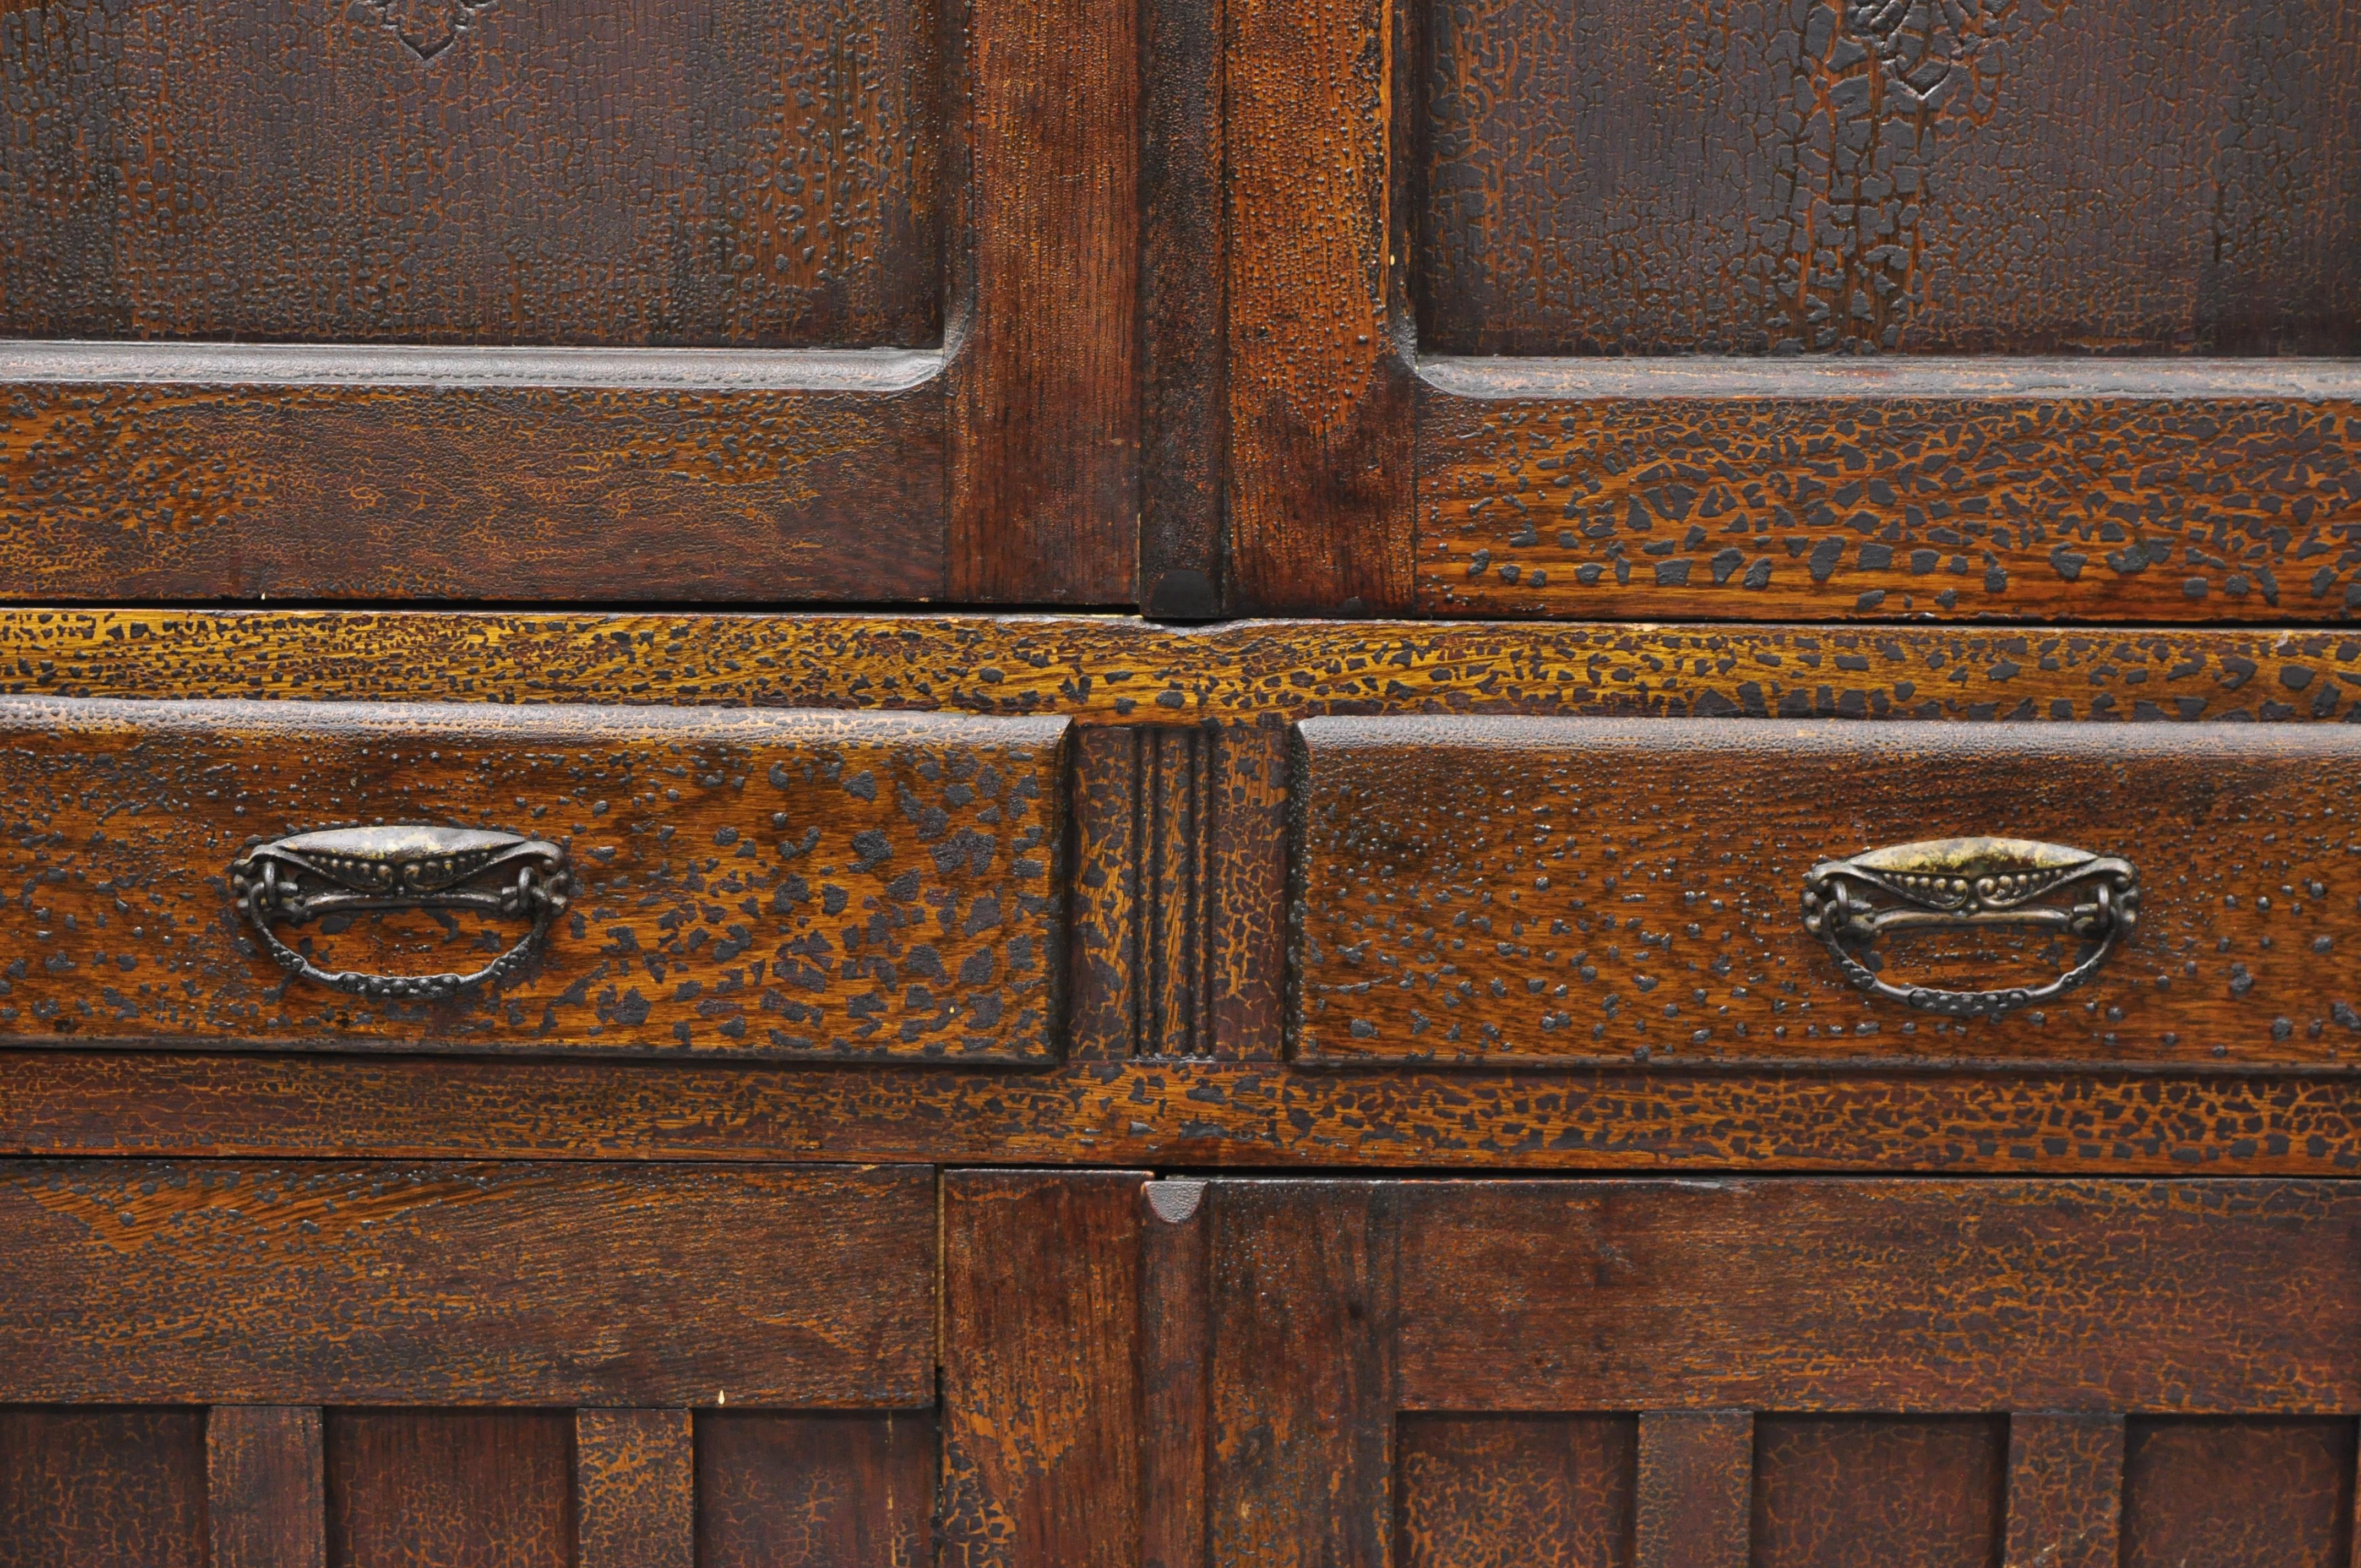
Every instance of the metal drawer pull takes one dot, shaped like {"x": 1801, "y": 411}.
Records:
{"x": 1971, "y": 882}
{"x": 308, "y": 875}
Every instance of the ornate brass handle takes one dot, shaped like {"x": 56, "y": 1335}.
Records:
{"x": 1971, "y": 882}
{"x": 311, "y": 874}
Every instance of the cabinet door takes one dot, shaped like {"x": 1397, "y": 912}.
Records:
{"x": 459, "y": 300}
{"x": 1714, "y": 1374}
{"x": 1815, "y": 309}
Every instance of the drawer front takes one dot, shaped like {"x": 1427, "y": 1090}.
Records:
{"x": 720, "y": 883}
{"x": 1596, "y": 890}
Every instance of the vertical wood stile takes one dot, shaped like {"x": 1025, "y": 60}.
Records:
{"x": 265, "y": 1497}
{"x": 1175, "y": 1346}
{"x": 1104, "y": 995}
{"x": 2065, "y": 1490}
{"x": 1246, "y": 885}
{"x": 635, "y": 1489}
{"x": 1696, "y": 1488}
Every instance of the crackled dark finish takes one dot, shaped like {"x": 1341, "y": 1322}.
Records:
{"x": 449, "y": 1488}
{"x": 1176, "y": 1339}
{"x": 464, "y": 171}
{"x": 808, "y": 1491}
{"x": 1972, "y": 175}
{"x": 1501, "y": 1492}
{"x": 2178, "y": 501}
{"x": 1104, "y": 670}
{"x": 1900, "y": 1295}
{"x": 635, "y": 1489}
{"x": 114, "y": 1488}
{"x": 479, "y": 486}
{"x": 2238, "y": 1491}
{"x": 746, "y": 884}
{"x": 1572, "y": 890}
{"x": 2065, "y": 1491}
{"x": 1695, "y": 1489}
{"x": 1868, "y": 1491}
{"x": 1042, "y": 1440}
{"x": 512, "y": 1284}
{"x": 266, "y": 1486}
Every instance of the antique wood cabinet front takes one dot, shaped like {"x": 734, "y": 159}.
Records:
{"x": 660, "y": 902}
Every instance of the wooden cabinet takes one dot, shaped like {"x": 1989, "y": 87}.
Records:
{"x": 629, "y": 937}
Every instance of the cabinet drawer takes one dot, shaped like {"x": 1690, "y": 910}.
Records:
{"x": 1572, "y": 890}
{"x": 722, "y": 883}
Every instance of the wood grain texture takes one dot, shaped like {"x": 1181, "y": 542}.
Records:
{"x": 458, "y": 171}
{"x": 2237, "y": 1491}
{"x": 1045, "y": 333}
{"x": 1319, "y": 475}
{"x": 1695, "y": 1489}
{"x": 266, "y": 1486}
{"x": 805, "y": 1491}
{"x": 1041, "y": 1371}
{"x": 1107, "y": 668}
{"x": 96, "y": 1488}
{"x": 1183, "y": 271}
{"x": 477, "y": 487}
{"x": 2065, "y": 1491}
{"x": 745, "y": 884}
{"x": 1498, "y": 1491}
{"x": 415, "y": 1489}
{"x": 1906, "y": 1296}
{"x": 509, "y": 1284}
{"x": 1593, "y": 889}
{"x": 635, "y": 1489}
{"x": 1868, "y": 1491}
{"x": 1176, "y": 1339}
{"x": 1978, "y": 177}
{"x": 1187, "y": 1114}
{"x": 2176, "y": 493}
{"x": 1302, "y": 1295}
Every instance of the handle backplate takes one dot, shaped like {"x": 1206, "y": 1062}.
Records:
{"x": 344, "y": 869}
{"x": 1954, "y": 882}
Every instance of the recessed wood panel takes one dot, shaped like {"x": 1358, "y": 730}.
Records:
{"x": 2223, "y": 1493}
{"x": 1970, "y": 177}
{"x": 628, "y": 172}
{"x": 746, "y": 884}
{"x": 99, "y": 1488}
{"x": 1579, "y": 890}
{"x": 491, "y": 1284}
{"x": 1872, "y": 1491}
{"x": 804, "y": 1491}
{"x": 1516, "y": 1491}
{"x": 450, "y": 1488}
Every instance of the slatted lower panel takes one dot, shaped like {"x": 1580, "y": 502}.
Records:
{"x": 1727, "y": 1489}
{"x": 260, "y": 1487}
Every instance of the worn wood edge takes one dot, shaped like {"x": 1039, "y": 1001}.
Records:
{"x": 883, "y": 370}
{"x": 1118, "y": 669}
{"x": 1947, "y": 378}
{"x": 1179, "y": 1115}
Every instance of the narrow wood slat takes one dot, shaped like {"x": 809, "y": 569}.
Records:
{"x": 1040, "y": 1370}
{"x": 1246, "y": 881}
{"x": 1697, "y": 1487}
{"x": 2065, "y": 1490}
{"x": 1175, "y": 1344}
{"x": 1174, "y": 940}
{"x": 1103, "y": 1018}
{"x": 265, "y": 1493}
{"x": 635, "y": 1489}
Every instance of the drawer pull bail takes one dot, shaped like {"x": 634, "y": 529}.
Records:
{"x": 1949, "y": 882}
{"x": 406, "y": 866}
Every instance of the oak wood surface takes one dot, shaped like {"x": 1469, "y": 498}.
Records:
{"x": 2065, "y": 1491}
{"x": 1104, "y": 670}
{"x": 266, "y": 1486}
{"x": 461, "y": 171}
{"x": 1865, "y": 1491}
{"x": 2016, "y": 490}
{"x": 412, "y": 1488}
{"x": 1497, "y": 889}
{"x": 851, "y": 1490}
{"x": 2122, "y": 176}
{"x": 1695, "y": 1489}
{"x": 1840, "y": 1294}
{"x": 1551, "y": 1491}
{"x": 1176, "y": 1341}
{"x": 103, "y": 1485}
{"x": 635, "y": 1489}
{"x": 745, "y": 884}
{"x": 511, "y": 1284}
{"x": 1041, "y": 1397}
{"x": 2238, "y": 1490}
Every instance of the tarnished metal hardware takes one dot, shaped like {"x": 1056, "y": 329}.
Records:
{"x": 1950, "y": 883}
{"x": 345, "y": 870}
